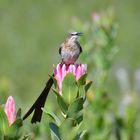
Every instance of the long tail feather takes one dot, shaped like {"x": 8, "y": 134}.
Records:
{"x": 39, "y": 103}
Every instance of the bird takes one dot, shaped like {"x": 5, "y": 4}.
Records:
{"x": 69, "y": 52}
{"x": 70, "y": 49}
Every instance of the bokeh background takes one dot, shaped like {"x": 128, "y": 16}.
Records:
{"x": 31, "y": 32}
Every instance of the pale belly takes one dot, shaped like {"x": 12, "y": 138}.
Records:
{"x": 70, "y": 57}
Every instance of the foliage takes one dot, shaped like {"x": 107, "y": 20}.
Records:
{"x": 99, "y": 53}
{"x": 12, "y": 132}
{"x": 71, "y": 106}
{"x": 83, "y": 113}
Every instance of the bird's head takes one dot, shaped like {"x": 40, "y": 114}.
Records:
{"x": 74, "y": 35}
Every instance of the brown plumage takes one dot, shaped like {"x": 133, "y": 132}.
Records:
{"x": 70, "y": 49}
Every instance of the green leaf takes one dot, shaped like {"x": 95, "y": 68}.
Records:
{"x": 77, "y": 137}
{"x": 68, "y": 130}
{"x": 17, "y": 124}
{"x": 56, "y": 92}
{"x": 52, "y": 116}
{"x": 80, "y": 135}
{"x": 55, "y": 130}
{"x": 69, "y": 88}
{"x": 61, "y": 102}
{"x": 87, "y": 86}
{"x": 3, "y": 122}
{"x": 75, "y": 108}
{"x": 18, "y": 115}
{"x": 82, "y": 80}
{"x": 79, "y": 118}
{"x": 14, "y": 129}
{"x": 81, "y": 91}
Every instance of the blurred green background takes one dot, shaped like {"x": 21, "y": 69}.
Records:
{"x": 31, "y": 32}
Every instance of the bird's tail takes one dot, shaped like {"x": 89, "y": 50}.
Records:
{"x": 39, "y": 103}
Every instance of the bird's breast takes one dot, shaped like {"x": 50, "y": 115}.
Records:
{"x": 69, "y": 54}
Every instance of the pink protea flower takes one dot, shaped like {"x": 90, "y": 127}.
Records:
{"x": 61, "y": 70}
{"x": 9, "y": 109}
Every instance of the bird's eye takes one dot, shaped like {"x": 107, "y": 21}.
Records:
{"x": 72, "y": 34}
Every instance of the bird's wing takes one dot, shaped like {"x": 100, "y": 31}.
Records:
{"x": 79, "y": 47}
{"x": 60, "y": 49}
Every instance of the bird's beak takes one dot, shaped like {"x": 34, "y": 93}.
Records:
{"x": 80, "y": 34}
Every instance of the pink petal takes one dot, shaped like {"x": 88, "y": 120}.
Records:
{"x": 72, "y": 69}
{"x": 59, "y": 71}
{"x": 10, "y": 110}
{"x": 59, "y": 83}
{"x": 84, "y": 68}
{"x": 78, "y": 72}
{"x": 76, "y": 66}
{"x": 64, "y": 72}
{"x": 59, "y": 74}
{"x": 54, "y": 70}
{"x": 67, "y": 67}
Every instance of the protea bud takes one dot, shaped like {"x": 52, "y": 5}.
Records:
{"x": 9, "y": 109}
